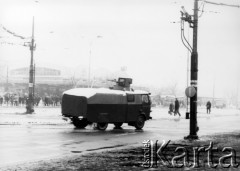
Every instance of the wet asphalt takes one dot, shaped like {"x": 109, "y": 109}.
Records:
{"x": 45, "y": 135}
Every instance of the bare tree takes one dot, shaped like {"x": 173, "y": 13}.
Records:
{"x": 173, "y": 89}
{"x": 73, "y": 82}
{"x": 232, "y": 97}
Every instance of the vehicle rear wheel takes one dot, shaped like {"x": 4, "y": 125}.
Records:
{"x": 118, "y": 124}
{"x": 139, "y": 124}
{"x": 80, "y": 123}
{"x": 102, "y": 126}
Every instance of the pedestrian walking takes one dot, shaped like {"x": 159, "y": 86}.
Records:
{"x": 171, "y": 108}
{"x": 177, "y": 108}
{"x": 1, "y": 100}
{"x": 208, "y": 105}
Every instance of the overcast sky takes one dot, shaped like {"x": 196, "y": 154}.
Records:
{"x": 138, "y": 34}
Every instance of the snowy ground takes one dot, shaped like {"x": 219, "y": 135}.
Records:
{"x": 44, "y": 135}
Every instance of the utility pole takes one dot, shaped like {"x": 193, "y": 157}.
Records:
{"x": 187, "y": 75}
{"x": 34, "y": 74}
{"x": 30, "y": 101}
{"x": 89, "y": 65}
{"x": 237, "y": 94}
{"x": 194, "y": 64}
{"x": 194, "y": 77}
{"x": 90, "y": 58}
{"x": 194, "y": 68}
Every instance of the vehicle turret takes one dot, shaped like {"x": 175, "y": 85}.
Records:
{"x": 123, "y": 84}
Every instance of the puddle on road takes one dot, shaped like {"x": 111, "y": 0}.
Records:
{"x": 102, "y": 148}
{"x": 76, "y": 151}
{"x": 73, "y": 143}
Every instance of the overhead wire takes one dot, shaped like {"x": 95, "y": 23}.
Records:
{"x": 11, "y": 43}
{"x": 203, "y": 5}
{"x": 221, "y": 4}
{"x": 3, "y": 42}
{"x": 185, "y": 38}
{"x": 189, "y": 48}
{"x": 12, "y": 33}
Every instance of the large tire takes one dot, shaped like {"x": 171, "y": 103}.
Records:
{"x": 118, "y": 124}
{"x": 139, "y": 124}
{"x": 79, "y": 123}
{"x": 102, "y": 126}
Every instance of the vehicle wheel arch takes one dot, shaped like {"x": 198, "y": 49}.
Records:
{"x": 102, "y": 126}
{"x": 144, "y": 115}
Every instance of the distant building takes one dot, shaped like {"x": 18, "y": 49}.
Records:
{"x": 42, "y": 76}
{"x": 55, "y": 81}
{"x": 47, "y": 81}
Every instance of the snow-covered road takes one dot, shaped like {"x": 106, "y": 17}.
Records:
{"x": 45, "y": 134}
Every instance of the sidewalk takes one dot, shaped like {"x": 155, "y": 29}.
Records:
{"x": 132, "y": 158}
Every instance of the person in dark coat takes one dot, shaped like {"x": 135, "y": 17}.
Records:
{"x": 171, "y": 108}
{"x": 208, "y": 105}
{"x": 177, "y": 107}
{"x": 1, "y": 100}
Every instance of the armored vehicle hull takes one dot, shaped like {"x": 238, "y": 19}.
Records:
{"x": 103, "y": 106}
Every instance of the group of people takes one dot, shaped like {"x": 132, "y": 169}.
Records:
{"x": 52, "y": 100}
{"x": 174, "y": 109}
{"x": 12, "y": 99}
{"x": 17, "y": 99}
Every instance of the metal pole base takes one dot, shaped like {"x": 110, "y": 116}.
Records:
{"x": 29, "y": 108}
{"x": 191, "y": 137}
{"x": 187, "y": 115}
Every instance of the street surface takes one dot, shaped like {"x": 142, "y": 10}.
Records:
{"x": 46, "y": 135}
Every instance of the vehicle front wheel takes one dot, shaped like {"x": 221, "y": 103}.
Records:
{"x": 79, "y": 123}
{"x": 102, "y": 126}
{"x": 139, "y": 124}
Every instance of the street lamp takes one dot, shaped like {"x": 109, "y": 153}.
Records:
{"x": 90, "y": 56}
{"x": 30, "y": 101}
